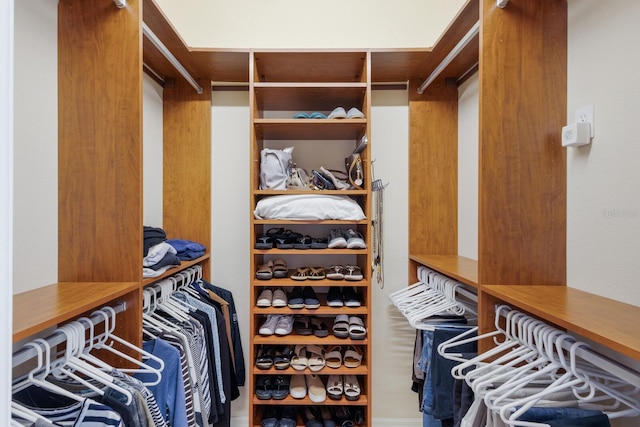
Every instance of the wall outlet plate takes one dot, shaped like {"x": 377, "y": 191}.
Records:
{"x": 585, "y": 115}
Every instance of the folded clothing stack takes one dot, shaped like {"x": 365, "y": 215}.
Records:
{"x": 187, "y": 249}
{"x": 160, "y": 258}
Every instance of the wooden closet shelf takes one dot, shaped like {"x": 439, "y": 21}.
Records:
{"x": 362, "y": 401}
{"x": 608, "y": 322}
{"x": 323, "y": 310}
{"x": 314, "y": 222}
{"x": 42, "y": 308}
{"x": 177, "y": 269}
{"x": 455, "y": 266}
{"x": 310, "y": 129}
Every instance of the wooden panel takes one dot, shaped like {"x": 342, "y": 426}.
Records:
{"x": 187, "y": 164}
{"x": 608, "y": 322}
{"x": 433, "y": 173}
{"x": 522, "y": 197}
{"x": 99, "y": 142}
{"x": 42, "y": 308}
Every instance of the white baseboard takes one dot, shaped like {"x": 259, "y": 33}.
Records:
{"x": 377, "y": 422}
{"x": 397, "y": 422}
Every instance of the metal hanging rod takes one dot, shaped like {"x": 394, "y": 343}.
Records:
{"x": 172, "y": 59}
{"x": 450, "y": 57}
{"x": 57, "y": 338}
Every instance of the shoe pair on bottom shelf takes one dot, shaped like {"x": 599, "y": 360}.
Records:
{"x": 336, "y": 416}
{"x": 279, "y": 416}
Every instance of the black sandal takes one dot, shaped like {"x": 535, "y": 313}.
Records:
{"x": 282, "y": 358}
{"x": 264, "y": 360}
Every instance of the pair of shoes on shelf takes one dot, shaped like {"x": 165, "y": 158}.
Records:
{"x": 308, "y": 356}
{"x": 345, "y": 326}
{"x": 342, "y": 297}
{"x": 311, "y": 273}
{"x": 274, "y": 356}
{"x": 349, "y": 272}
{"x": 320, "y": 416}
{"x": 272, "y": 269}
{"x": 279, "y": 324}
{"x": 303, "y": 297}
{"x": 313, "y": 115}
{"x": 311, "y": 385}
{"x": 343, "y": 385}
{"x": 337, "y": 356}
{"x": 341, "y": 113}
{"x": 310, "y": 325}
{"x": 272, "y": 387}
{"x": 345, "y": 239}
{"x": 272, "y": 298}
{"x": 279, "y": 416}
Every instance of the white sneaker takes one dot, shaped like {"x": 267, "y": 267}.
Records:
{"x": 354, "y": 240}
{"x": 284, "y": 325}
{"x": 264, "y": 299}
{"x": 354, "y": 113}
{"x": 336, "y": 239}
{"x": 279, "y": 298}
{"x": 337, "y": 113}
{"x": 269, "y": 325}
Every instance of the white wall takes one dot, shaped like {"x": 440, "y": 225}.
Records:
{"x": 151, "y": 152}
{"x": 468, "y": 119}
{"x": 35, "y": 227}
{"x": 6, "y": 199}
{"x": 329, "y": 24}
{"x": 603, "y": 179}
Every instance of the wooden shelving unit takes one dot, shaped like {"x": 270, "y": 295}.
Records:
{"x": 282, "y": 83}
{"x": 522, "y": 174}
{"x": 100, "y": 208}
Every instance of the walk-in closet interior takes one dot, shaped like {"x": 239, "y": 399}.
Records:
{"x": 488, "y": 273}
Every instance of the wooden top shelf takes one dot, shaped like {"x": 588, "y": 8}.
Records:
{"x": 42, "y": 308}
{"x": 605, "y": 321}
{"x": 455, "y": 266}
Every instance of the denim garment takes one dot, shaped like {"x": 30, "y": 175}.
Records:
{"x": 441, "y": 370}
{"x": 590, "y": 421}
{"x": 540, "y": 415}
{"x": 424, "y": 364}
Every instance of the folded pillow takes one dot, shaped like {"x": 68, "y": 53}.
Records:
{"x": 309, "y": 207}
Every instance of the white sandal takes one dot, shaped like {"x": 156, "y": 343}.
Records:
{"x": 357, "y": 331}
{"x": 299, "y": 359}
{"x": 351, "y": 387}
{"x": 315, "y": 358}
{"x": 335, "y": 387}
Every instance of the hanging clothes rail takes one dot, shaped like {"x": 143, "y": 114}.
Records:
{"x": 57, "y": 338}
{"x": 434, "y": 294}
{"x": 532, "y": 362}
{"x": 172, "y": 59}
{"x": 451, "y": 56}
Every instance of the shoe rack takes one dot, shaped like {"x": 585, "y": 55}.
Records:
{"x": 284, "y": 84}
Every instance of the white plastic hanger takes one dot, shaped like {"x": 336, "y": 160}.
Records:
{"x": 37, "y": 376}
{"x": 142, "y": 367}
